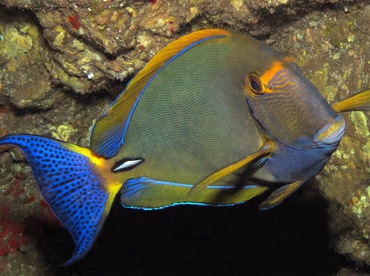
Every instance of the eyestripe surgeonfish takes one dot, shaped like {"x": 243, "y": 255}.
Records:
{"x": 214, "y": 118}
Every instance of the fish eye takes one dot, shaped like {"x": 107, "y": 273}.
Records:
{"x": 254, "y": 83}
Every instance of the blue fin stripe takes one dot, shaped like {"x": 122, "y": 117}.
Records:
{"x": 111, "y": 143}
{"x": 180, "y": 204}
{"x": 175, "y": 184}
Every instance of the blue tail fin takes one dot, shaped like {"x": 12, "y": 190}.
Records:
{"x": 70, "y": 179}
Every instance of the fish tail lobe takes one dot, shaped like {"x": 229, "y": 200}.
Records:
{"x": 77, "y": 184}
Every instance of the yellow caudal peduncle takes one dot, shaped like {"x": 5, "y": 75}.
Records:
{"x": 96, "y": 160}
{"x": 112, "y": 183}
{"x": 103, "y": 166}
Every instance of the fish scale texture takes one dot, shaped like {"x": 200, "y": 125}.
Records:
{"x": 69, "y": 184}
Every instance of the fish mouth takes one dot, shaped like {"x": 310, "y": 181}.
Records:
{"x": 331, "y": 133}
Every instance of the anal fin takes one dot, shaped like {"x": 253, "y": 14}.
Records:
{"x": 148, "y": 194}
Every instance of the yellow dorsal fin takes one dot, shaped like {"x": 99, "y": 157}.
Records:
{"x": 172, "y": 50}
{"x": 108, "y": 133}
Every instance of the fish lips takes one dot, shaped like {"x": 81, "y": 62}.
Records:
{"x": 331, "y": 133}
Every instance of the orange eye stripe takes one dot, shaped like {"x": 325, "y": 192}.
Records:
{"x": 275, "y": 67}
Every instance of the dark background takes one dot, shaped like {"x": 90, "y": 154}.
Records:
{"x": 291, "y": 239}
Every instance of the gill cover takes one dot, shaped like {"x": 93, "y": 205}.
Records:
{"x": 286, "y": 103}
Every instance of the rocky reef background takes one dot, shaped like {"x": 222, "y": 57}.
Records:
{"x": 62, "y": 63}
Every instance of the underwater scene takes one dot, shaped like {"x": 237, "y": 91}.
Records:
{"x": 184, "y": 137}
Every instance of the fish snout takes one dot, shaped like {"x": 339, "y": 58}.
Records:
{"x": 331, "y": 133}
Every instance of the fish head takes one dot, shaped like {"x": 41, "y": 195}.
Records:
{"x": 289, "y": 107}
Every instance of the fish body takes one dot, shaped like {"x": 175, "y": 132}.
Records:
{"x": 215, "y": 118}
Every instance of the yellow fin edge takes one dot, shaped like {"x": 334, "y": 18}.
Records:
{"x": 173, "y": 48}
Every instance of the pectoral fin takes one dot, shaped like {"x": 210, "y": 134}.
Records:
{"x": 279, "y": 195}
{"x": 250, "y": 161}
{"x": 357, "y": 102}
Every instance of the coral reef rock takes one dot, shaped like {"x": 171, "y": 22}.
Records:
{"x": 57, "y": 56}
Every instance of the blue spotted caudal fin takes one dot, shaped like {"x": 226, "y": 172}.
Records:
{"x": 69, "y": 181}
